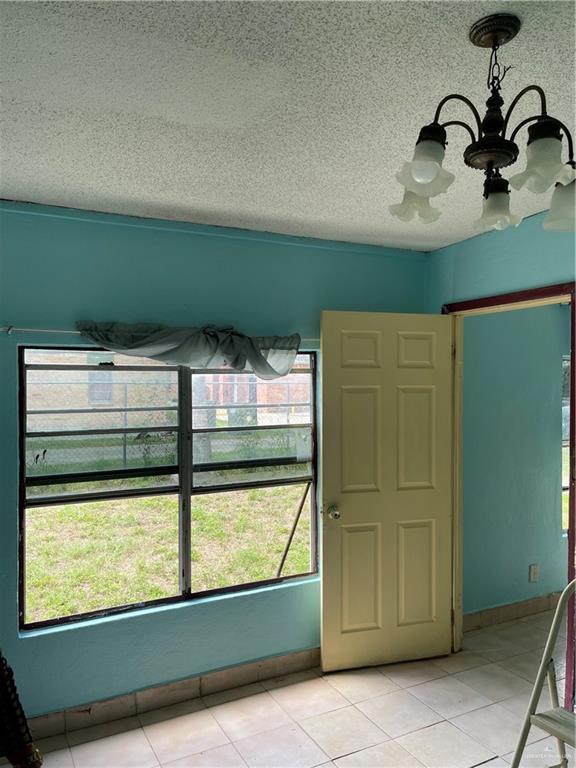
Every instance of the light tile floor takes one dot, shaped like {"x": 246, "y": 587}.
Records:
{"x": 453, "y": 712}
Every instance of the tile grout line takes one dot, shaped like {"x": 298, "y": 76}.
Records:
{"x": 479, "y": 693}
{"x": 294, "y": 723}
{"x": 71, "y": 754}
{"x": 298, "y": 723}
{"x": 253, "y": 734}
{"x": 235, "y": 748}
{"x": 356, "y": 751}
{"x": 484, "y": 745}
{"x": 318, "y": 677}
{"x": 149, "y": 743}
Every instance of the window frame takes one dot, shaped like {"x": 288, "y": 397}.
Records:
{"x": 566, "y": 362}
{"x": 185, "y": 431}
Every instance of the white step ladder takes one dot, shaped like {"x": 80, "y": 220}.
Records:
{"x": 557, "y": 722}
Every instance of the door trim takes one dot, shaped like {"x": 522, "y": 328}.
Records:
{"x": 505, "y": 302}
{"x": 457, "y": 484}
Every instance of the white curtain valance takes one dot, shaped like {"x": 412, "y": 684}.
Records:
{"x": 269, "y": 357}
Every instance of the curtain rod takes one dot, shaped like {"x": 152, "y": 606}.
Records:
{"x": 10, "y": 329}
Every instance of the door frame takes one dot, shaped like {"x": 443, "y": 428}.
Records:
{"x": 506, "y": 302}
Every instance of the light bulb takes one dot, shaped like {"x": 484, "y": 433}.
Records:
{"x": 496, "y": 213}
{"x": 562, "y": 214}
{"x": 424, "y": 175}
{"x": 544, "y": 167}
{"x": 413, "y": 205}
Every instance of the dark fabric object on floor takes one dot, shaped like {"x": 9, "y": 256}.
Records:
{"x": 15, "y": 737}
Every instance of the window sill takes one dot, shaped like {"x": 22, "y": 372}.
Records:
{"x": 136, "y": 613}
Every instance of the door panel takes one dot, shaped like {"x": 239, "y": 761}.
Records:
{"x": 416, "y": 587}
{"x": 361, "y": 578}
{"x": 361, "y": 349}
{"x": 416, "y": 350}
{"x": 387, "y": 467}
{"x": 416, "y": 436}
{"x": 360, "y": 419}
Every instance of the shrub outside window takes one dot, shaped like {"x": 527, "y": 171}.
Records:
{"x": 175, "y": 483}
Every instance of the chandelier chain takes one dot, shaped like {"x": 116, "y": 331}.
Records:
{"x": 496, "y": 72}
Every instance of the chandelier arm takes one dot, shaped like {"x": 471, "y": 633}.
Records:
{"x": 522, "y": 124}
{"x": 568, "y": 139}
{"x": 561, "y": 124}
{"x": 462, "y": 125}
{"x": 458, "y": 97}
{"x": 522, "y": 93}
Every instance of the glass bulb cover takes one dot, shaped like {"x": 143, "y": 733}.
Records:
{"x": 424, "y": 175}
{"x": 544, "y": 167}
{"x": 562, "y": 214}
{"x": 413, "y": 205}
{"x": 496, "y": 213}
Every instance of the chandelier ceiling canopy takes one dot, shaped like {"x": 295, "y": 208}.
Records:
{"x": 492, "y": 147}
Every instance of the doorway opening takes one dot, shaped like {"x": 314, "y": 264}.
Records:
{"x": 563, "y": 296}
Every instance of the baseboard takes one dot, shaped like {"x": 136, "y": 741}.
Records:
{"x": 509, "y": 612}
{"x": 99, "y": 712}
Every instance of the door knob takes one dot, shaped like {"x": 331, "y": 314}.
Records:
{"x": 333, "y": 512}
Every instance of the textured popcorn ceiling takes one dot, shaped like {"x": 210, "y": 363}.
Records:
{"x": 282, "y": 116}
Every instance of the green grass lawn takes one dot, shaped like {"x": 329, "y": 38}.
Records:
{"x": 84, "y": 557}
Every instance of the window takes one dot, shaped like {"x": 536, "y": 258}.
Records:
{"x": 100, "y": 389}
{"x": 166, "y": 484}
{"x": 565, "y": 439}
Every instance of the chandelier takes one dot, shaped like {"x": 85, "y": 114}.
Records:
{"x": 492, "y": 147}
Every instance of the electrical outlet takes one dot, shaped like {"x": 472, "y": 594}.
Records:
{"x": 533, "y": 572}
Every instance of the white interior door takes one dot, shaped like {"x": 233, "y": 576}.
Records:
{"x": 386, "y": 487}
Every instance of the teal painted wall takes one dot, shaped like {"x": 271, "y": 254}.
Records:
{"x": 77, "y": 264}
{"x": 499, "y": 262}
{"x": 511, "y": 433}
{"x": 58, "y": 266}
{"x": 512, "y": 455}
